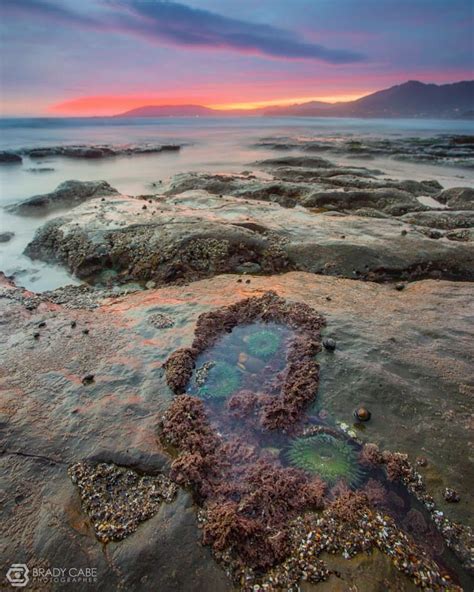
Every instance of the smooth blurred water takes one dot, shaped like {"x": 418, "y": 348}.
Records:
{"x": 210, "y": 144}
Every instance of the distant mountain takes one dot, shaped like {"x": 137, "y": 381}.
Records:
{"x": 412, "y": 99}
{"x": 170, "y": 111}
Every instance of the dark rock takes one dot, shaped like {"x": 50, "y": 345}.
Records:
{"x": 329, "y": 343}
{"x": 399, "y": 287}
{"x": 457, "y": 198}
{"x": 97, "y": 151}
{"x": 7, "y": 157}
{"x": 6, "y": 236}
{"x": 88, "y": 379}
{"x": 67, "y": 195}
{"x": 442, "y": 219}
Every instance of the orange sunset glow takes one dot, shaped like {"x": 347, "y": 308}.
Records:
{"x": 113, "y": 104}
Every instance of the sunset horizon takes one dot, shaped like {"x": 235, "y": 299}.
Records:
{"x": 236, "y": 287}
{"x": 102, "y": 58}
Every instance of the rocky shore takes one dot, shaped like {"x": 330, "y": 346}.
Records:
{"x": 144, "y": 435}
{"x": 88, "y": 151}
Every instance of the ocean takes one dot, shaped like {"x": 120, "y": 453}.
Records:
{"x": 209, "y": 145}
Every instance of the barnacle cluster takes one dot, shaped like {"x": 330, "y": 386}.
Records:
{"x": 118, "y": 499}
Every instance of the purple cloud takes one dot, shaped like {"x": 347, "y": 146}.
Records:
{"x": 160, "y": 20}
{"x": 184, "y": 25}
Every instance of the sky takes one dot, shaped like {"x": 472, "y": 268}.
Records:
{"x": 102, "y": 57}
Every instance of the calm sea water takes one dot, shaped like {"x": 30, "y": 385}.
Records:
{"x": 211, "y": 144}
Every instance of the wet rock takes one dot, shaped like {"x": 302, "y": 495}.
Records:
{"x": 5, "y": 237}
{"x": 66, "y": 195}
{"x": 457, "y": 198}
{"x": 319, "y": 187}
{"x": 442, "y": 219}
{"x": 391, "y": 201}
{"x": 442, "y": 150}
{"x": 7, "y": 157}
{"x": 404, "y": 383}
{"x": 200, "y": 235}
{"x": 98, "y": 151}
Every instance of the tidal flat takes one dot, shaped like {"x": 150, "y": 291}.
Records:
{"x": 239, "y": 355}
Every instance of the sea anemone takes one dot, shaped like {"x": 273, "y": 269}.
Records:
{"x": 327, "y": 456}
{"x": 263, "y": 344}
{"x": 222, "y": 380}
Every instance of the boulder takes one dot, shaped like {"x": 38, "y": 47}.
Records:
{"x": 197, "y": 235}
{"x": 7, "y": 157}
{"x": 443, "y": 219}
{"x": 66, "y": 195}
{"x": 5, "y": 237}
{"x": 457, "y": 198}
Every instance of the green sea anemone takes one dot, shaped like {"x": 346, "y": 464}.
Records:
{"x": 222, "y": 380}
{"x": 263, "y": 344}
{"x": 329, "y": 457}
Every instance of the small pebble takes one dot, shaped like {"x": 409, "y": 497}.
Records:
{"x": 451, "y": 496}
{"x": 404, "y": 232}
{"x": 328, "y": 298}
{"x": 421, "y": 461}
{"x": 36, "y": 335}
{"x": 144, "y": 207}
{"x": 85, "y": 331}
{"x": 329, "y": 344}
{"x": 42, "y": 324}
{"x": 239, "y": 281}
{"x": 88, "y": 379}
{"x": 73, "y": 324}
{"x": 247, "y": 281}
{"x": 362, "y": 414}
{"x": 399, "y": 287}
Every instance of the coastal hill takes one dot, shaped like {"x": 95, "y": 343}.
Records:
{"x": 411, "y": 99}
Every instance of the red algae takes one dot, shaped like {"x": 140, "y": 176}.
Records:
{"x": 267, "y": 523}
